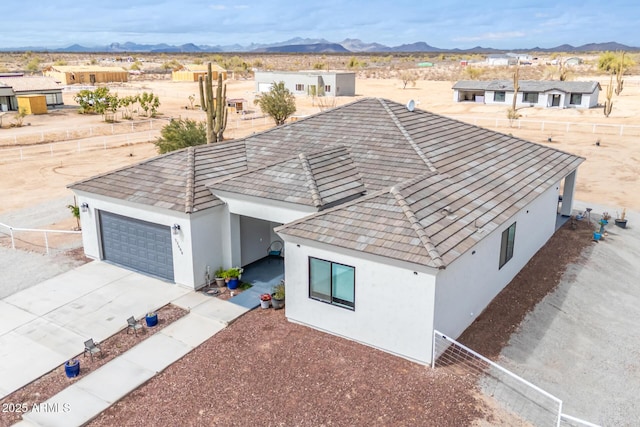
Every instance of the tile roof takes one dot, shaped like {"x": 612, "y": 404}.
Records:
{"x": 431, "y": 182}
{"x": 528, "y": 85}
{"x": 319, "y": 179}
{"x": 174, "y": 181}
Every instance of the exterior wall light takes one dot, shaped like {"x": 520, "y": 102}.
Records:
{"x": 175, "y": 228}
{"x": 85, "y": 207}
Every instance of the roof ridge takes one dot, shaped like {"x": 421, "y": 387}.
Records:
{"x": 191, "y": 179}
{"x": 417, "y": 227}
{"x": 313, "y": 186}
{"x": 404, "y": 132}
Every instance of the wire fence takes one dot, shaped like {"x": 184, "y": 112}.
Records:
{"x": 531, "y": 403}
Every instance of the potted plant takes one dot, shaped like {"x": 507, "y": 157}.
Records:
{"x": 151, "y": 319}
{"x": 219, "y": 276}
{"x": 621, "y": 221}
{"x": 265, "y": 300}
{"x": 277, "y": 297}
{"x": 232, "y": 277}
{"x": 72, "y": 368}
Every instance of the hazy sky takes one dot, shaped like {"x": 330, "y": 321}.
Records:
{"x": 440, "y": 23}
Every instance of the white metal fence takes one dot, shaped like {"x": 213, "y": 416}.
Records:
{"x": 533, "y": 404}
{"x": 66, "y": 147}
{"x": 550, "y": 126}
{"x": 24, "y": 136}
{"x": 29, "y": 243}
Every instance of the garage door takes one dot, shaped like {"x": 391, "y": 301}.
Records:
{"x": 138, "y": 245}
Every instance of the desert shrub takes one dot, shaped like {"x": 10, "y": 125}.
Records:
{"x": 180, "y": 134}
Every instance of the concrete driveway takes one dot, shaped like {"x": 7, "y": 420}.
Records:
{"x": 43, "y": 326}
{"x": 582, "y": 342}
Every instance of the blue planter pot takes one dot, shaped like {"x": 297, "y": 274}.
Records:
{"x": 72, "y": 370}
{"x": 152, "y": 320}
{"x": 233, "y": 283}
{"x": 596, "y": 236}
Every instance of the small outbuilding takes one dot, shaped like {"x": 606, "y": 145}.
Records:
{"x": 86, "y": 74}
{"x": 32, "y": 104}
{"x": 192, "y": 72}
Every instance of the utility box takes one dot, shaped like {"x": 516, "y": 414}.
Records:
{"x": 32, "y": 104}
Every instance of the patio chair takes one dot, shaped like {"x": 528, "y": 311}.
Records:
{"x": 133, "y": 324}
{"x": 275, "y": 249}
{"x": 91, "y": 347}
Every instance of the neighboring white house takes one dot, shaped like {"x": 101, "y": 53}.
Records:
{"x": 531, "y": 93}
{"x": 395, "y": 222}
{"x": 14, "y": 85}
{"x": 316, "y": 82}
{"x": 499, "y": 59}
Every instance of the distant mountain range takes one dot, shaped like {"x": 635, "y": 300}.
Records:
{"x": 302, "y": 45}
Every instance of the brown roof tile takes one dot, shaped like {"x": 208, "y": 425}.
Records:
{"x": 432, "y": 162}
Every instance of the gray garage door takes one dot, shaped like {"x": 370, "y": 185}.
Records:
{"x": 138, "y": 245}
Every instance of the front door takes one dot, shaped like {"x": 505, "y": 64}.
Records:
{"x": 555, "y": 101}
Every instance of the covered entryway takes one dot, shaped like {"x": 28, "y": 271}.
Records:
{"x": 138, "y": 245}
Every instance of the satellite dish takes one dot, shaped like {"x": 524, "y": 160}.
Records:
{"x": 411, "y": 105}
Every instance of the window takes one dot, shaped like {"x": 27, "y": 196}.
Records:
{"x": 327, "y": 88}
{"x": 332, "y": 283}
{"x": 530, "y": 97}
{"x": 299, "y": 87}
{"x": 498, "y": 96}
{"x": 575, "y": 99}
{"x": 506, "y": 248}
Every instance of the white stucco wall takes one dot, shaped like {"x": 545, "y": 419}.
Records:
{"x": 393, "y": 306}
{"x": 265, "y": 209}
{"x": 255, "y": 235}
{"x": 209, "y": 247}
{"x": 544, "y": 99}
{"x": 470, "y": 283}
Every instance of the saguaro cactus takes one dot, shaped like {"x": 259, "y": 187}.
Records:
{"x": 216, "y": 111}
{"x": 608, "y": 104}
{"x": 512, "y": 113}
{"x": 619, "y": 73}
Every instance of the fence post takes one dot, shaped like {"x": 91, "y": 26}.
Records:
{"x": 542, "y": 129}
{"x": 21, "y": 154}
{"x": 46, "y": 242}
{"x": 433, "y": 350}
{"x": 594, "y": 129}
{"x": 559, "y": 414}
{"x": 621, "y": 128}
{"x": 51, "y": 149}
{"x": 13, "y": 242}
